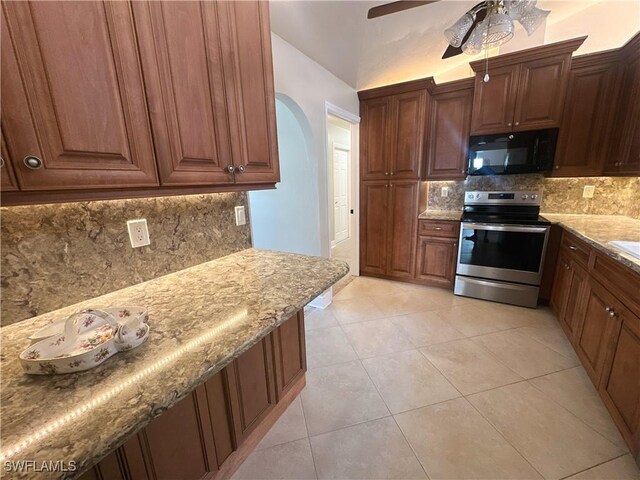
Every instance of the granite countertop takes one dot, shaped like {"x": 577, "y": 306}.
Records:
{"x": 454, "y": 215}
{"x": 201, "y": 319}
{"x": 599, "y": 230}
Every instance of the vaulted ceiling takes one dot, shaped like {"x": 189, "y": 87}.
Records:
{"x": 408, "y": 45}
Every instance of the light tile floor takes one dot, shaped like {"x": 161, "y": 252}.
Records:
{"x": 412, "y": 382}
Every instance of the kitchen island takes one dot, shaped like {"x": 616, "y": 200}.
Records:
{"x": 203, "y": 319}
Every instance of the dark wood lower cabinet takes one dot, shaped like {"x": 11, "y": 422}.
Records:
{"x": 595, "y": 301}
{"x": 436, "y": 260}
{"x": 210, "y": 432}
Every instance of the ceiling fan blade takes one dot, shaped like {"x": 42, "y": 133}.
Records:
{"x": 453, "y": 51}
{"x": 394, "y": 7}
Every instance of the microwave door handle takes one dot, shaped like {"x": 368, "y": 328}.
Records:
{"x": 504, "y": 228}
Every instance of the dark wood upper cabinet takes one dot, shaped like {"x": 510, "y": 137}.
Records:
{"x": 374, "y": 138}
{"x": 625, "y": 159}
{"x": 448, "y": 130}
{"x": 73, "y": 98}
{"x": 407, "y": 134}
{"x": 403, "y": 220}
{"x": 182, "y": 56}
{"x": 374, "y": 226}
{"x": 494, "y": 101}
{"x": 584, "y": 142}
{"x": 392, "y": 130}
{"x": 525, "y": 91}
{"x": 248, "y": 67}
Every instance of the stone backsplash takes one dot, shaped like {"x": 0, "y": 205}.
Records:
{"x": 613, "y": 195}
{"x": 58, "y": 255}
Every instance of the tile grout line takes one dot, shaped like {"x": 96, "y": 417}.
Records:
{"x": 594, "y": 466}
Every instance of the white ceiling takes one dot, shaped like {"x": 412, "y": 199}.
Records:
{"x": 408, "y": 45}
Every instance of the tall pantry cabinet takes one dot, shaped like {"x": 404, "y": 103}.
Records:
{"x": 392, "y": 149}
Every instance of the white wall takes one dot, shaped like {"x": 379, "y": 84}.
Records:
{"x": 302, "y": 83}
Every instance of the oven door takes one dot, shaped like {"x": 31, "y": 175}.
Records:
{"x": 513, "y": 253}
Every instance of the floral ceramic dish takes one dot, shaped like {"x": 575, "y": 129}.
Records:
{"x": 89, "y": 337}
{"x": 121, "y": 314}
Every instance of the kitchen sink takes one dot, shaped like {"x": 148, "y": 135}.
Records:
{"x": 632, "y": 248}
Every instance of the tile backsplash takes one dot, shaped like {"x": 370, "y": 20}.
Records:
{"x": 613, "y": 195}
{"x": 57, "y": 255}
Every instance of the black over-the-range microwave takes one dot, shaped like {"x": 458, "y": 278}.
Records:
{"x": 511, "y": 153}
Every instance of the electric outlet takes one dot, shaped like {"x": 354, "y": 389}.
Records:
{"x": 444, "y": 192}
{"x": 241, "y": 218}
{"x": 588, "y": 191}
{"x": 138, "y": 232}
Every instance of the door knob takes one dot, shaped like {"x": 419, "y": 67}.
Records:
{"x": 240, "y": 169}
{"x": 32, "y": 162}
{"x": 230, "y": 168}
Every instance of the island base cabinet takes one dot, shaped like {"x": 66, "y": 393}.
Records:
{"x": 209, "y": 433}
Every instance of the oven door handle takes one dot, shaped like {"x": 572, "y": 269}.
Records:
{"x": 505, "y": 228}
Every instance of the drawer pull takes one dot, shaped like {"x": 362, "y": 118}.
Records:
{"x": 572, "y": 247}
{"x": 437, "y": 228}
{"x": 32, "y": 162}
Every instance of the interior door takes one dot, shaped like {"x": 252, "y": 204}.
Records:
{"x": 407, "y": 134}
{"x": 403, "y": 225}
{"x": 340, "y": 193}
{"x": 181, "y": 51}
{"x": 374, "y": 211}
{"x": 248, "y": 68}
{"x": 72, "y": 98}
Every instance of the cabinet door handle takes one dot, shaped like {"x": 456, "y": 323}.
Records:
{"x": 517, "y": 123}
{"x": 573, "y": 247}
{"x": 386, "y": 174}
{"x": 509, "y": 124}
{"x": 391, "y": 174}
{"x": 240, "y": 169}
{"x": 32, "y": 162}
{"x": 437, "y": 228}
{"x": 557, "y": 167}
{"x": 230, "y": 169}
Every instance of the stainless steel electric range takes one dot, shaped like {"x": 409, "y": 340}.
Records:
{"x": 502, "y": 246}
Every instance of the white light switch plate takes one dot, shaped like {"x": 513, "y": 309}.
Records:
{"x": 444, "y": 192}
{"x": 241, "y": 218}
{"x": 588, "y": 191}
{"x": 138, "y": 232}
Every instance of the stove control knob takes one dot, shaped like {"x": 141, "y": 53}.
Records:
{"x": 524, "y": 197}
{"x": 470, "y": 196}
{"x": 477, "y": 195}
{"x": 534, "y": 196}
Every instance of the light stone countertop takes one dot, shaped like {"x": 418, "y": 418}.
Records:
{"x": 599, "y": 230}
{"x": 201, "y": 319}
{"x": 453, "y": 215}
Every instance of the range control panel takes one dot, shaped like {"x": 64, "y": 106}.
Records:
{"x": 503, "y": 198}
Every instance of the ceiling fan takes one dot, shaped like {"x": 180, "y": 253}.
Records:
{"x": 487, "y": 25}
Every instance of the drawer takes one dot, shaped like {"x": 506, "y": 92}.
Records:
{"x": 620, "y": 280}
{"x": 439, "y": 228}
{"x": 576, "y": 248}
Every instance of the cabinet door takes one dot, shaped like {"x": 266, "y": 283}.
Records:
{"x": 541, "y": 92}
{"x": 585, "y": 132}
{"x": 74, "y": 97}
{"x": 181, "y": 53}
{"x": 448, "y": 139}
{"x": 177, "y": 444}
{"x": 219, "y": 412}
{"x": 246, "y": 46}
{"x": 571, "y": 319}
{"x": 403, "y": 225}
{"x": 620, "y": 386}
{"x": 375, "y": 138}
{"x": 627, "y": 161}
{"x": 407, "y": 138}
{"x": 290, "y": 356}
{"x": 374, "y": 214}
{"x": 8, "y": 179}
{"x": 561, "y": 284}
{"x": 436, "y": 260}
{"x": 252, "y": 388}
{"x": 594, "y": 339}
{"x": 494, "y": 101}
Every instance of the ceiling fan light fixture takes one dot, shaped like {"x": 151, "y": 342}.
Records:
{"x": 456, "y": 32}
{"x": 518, "y": 8}
{"x": 473, "y": 45}
{"x": 498, "y": 29}
{"x": 533, "y": 19}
